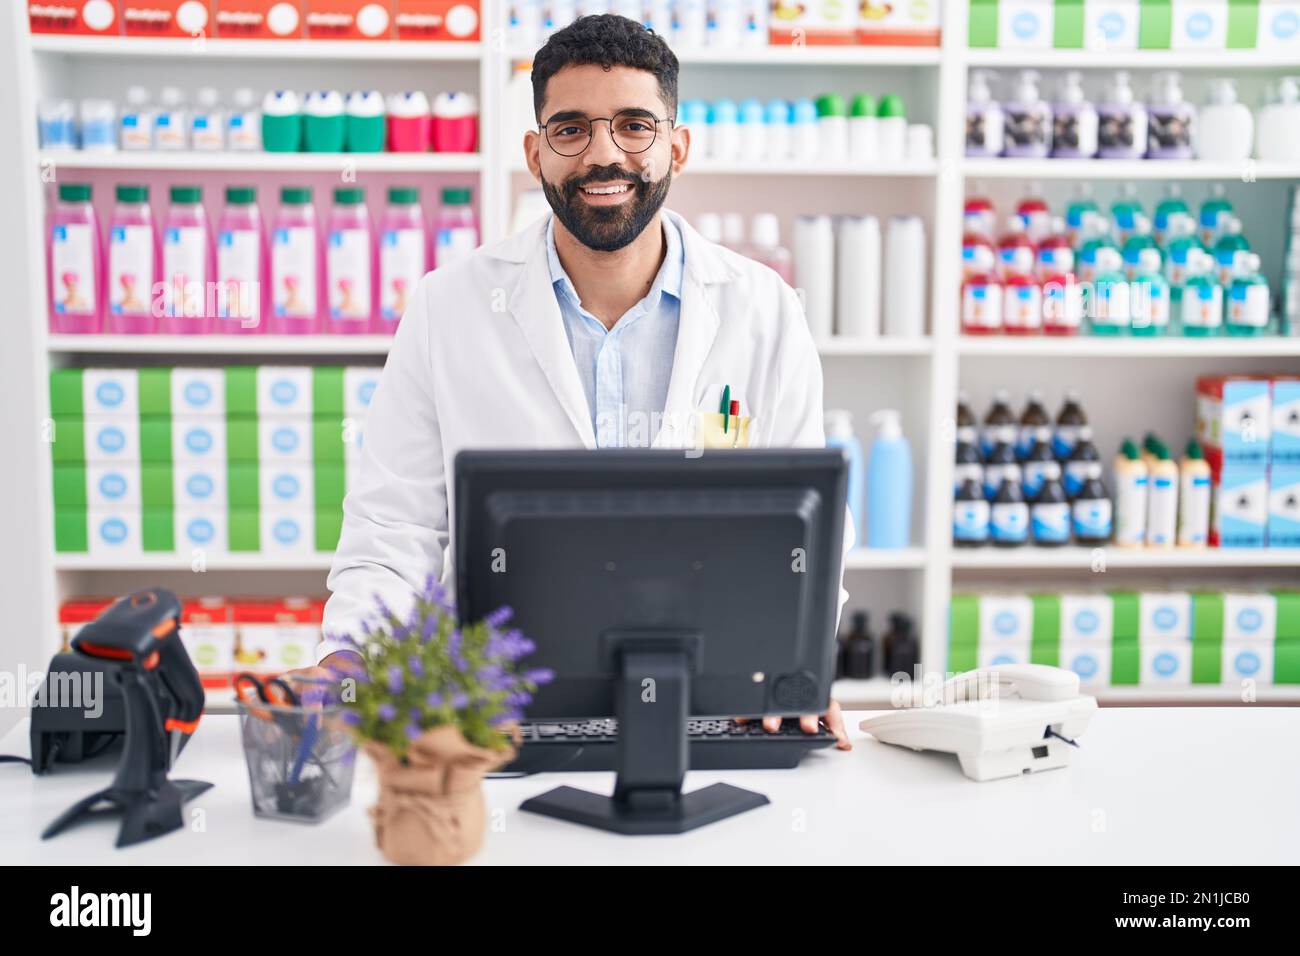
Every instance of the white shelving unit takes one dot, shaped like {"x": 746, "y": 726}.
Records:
{"x": 924, "y": 374}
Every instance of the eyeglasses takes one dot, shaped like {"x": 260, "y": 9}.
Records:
{"x": 633, "y": 131}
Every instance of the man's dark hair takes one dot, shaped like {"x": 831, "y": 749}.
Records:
{"x": 606, "y": 40}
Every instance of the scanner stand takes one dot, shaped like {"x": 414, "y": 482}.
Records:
{"x": 150, "y": 803}
{"x": 653, "y": 697}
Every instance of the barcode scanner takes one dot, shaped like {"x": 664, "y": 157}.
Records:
{"x": 137, "y": 643}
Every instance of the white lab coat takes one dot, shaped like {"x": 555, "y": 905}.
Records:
{"x": 481, "y": 360}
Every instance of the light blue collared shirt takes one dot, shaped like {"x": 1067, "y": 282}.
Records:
{"x": 625, "y": 370}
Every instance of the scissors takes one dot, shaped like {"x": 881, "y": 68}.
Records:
{"x": 252, "y": 690}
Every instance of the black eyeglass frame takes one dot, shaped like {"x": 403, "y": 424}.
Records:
{"x": 591, "y": 130}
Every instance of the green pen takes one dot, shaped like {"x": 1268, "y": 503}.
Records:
{"x": 726, "y": 407}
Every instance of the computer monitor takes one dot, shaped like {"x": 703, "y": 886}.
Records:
{"x": 658, "y": 587}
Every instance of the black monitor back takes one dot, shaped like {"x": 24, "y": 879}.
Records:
{"x": 737, "y": 552}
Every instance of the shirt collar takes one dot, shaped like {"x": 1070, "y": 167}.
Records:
{"x": 668, "y": 280}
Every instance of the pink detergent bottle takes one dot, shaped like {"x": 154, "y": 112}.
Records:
{"x": 188, "y": 268}
{"x": 403, "y": 256}
{"x": 349, "y": 264}
{"x": 296, "y": 265}
{"x": 76, "y": 263}
{"x": 134, "y": 264}
{"x": 455, "y": 229}
{"x": 241, "y": 265}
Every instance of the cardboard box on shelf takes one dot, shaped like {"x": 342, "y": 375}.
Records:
{"x": 258, "y": 19}
{"x": 75, "y": 17}
{"x": 447, "y": 20}
{"x": 899, "y": 22}
{"x": 1234, "y": 418}
{"x": 348, "y": 19}
{"x": 1165, "y": 616}
{"x": 1087, "y": 618}
{"x": 1240, "y": 506}
{"x": 1165, "y": 662}
{"x": 167, "y": 18}
{"x": 76, "y": 613}
{"x": 276, "y": 635}
{"x": 1090, "y": 659}
{"x": 208, "y": 633}
{"x": 790, "y": 21}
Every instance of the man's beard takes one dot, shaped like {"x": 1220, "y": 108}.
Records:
{"x": 606, "y": 228}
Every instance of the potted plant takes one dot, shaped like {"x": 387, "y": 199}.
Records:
{"x": 434, "y": 704}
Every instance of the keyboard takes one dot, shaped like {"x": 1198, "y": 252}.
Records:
{"x": 713, "y": 744}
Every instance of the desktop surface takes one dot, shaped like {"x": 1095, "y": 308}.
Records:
{"x": 1150, "y": 785}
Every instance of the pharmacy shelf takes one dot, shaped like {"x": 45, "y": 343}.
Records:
{"x": 1230, "y": 61}
{"x": 274, "y": 50}
{"x": 181, "y": 562}
{"x": 1099, "y": 346}
{"x": 884, "y": 559}
{"x": 219, "y": 344}
{"x": 1047, "y": 559}
{"x": 1249, "y": 170}
{"x": 365, "y": 345}
{"x": 1164, "y": 696}
{"x": 267, "y": 162}
{"x": 920, "y": 169}
{"x": 882, "y": 346}
{"x": 798, "y": 56}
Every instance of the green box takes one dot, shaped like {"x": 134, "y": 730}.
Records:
{"x": 964, "y": 621}
{"x": 1207, "y": 617}
{"x": 155, "y": 386}
{"x": 71, "y": 531}
{"x": 1067, "y": 25}
{"x": 70, "y": 485}
{"x": 243, "y": 530}
{"x": 1125, "y": 663}
{"x": 1286, "y": 662}
{"x": 329, "y": 525}
{"x": 1045, "y": 642}
{"x": 982, "y": 32}
{"x": 242, "y": 485}
{"x": 1155, "y": 25}
{"x": 327, "y": 441}
{"x": 1207, "y": 662}
{"x": 327, "y": 391}
{"x": 329, "y": 485}
{"x": 241, "y": 391}
{"x": 1243, "y": 24}
{"x": 66, "y": 393}
{"x": 241, "y": 439}
{"x": 1288, "y": 615}
{"x": 1125, "y": 616}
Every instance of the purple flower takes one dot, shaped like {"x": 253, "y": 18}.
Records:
{"x": 510, "y": 645}
{"x": 434, "y": 699}
{"x": 413, "y": 731}
{"x": 395, "y": 679}
{"x": 351, "y": 717}
{"x": 416, "y": 666}
{"x": 387, "y": 712}
{"x": 518, "y": 699}
{"x": 505, "y": 717}
{"x": 540, "y": 675}
{"x": 459, "y": 701}
{"x": 499, "y": 617}
{"x": 429, "y": 629}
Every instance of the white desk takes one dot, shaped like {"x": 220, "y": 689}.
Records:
{"x": 1151, "y": 785}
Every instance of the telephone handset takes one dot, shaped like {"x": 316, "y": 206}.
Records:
{"x": 1000, "y": 721}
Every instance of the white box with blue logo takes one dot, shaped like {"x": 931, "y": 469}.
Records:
{"x": 1088, "y": 658}
{"x": 1000, "y": 653}
{"x": 1249, "y": 616}
{"x": 198, "y": 392}
{"x": 1165, "y": 661}
{"x": 199, "y": 439}
{"x": 114, "y": 532}
{"x": 284, "y": 440}
{"x": 286, "y": 486}
{"x": 284, "y": 390}
{"x": 287, "y": 531}
{"x": 113, "y": 487}
{"x": 199, "y": 486}
{"x": 1241, "y": 506}
{"x": 1199, "y": 25}
{"x": 113, "y": 392}
{"x": 1025, "y": 24}
{"x": 111, "y": 439}
{"x": 202, "y": 530}
{"x": 1087, "y": 618}
{"x": 1005, "y": 619}
{"x": 1285, "y": 431}
{"x": 1247, "y": 660}
{"x": 1164, "y": 615}
{"x": 1110, "y": 25}
{"x": 359, "y": 383}
{"x": 1279, "y": 26}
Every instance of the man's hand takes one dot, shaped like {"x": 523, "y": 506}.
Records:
{"x": 833, "y": 719}
{"x": 338, "y": 665}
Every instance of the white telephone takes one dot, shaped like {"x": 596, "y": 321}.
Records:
{"x": 1000, "y": 721}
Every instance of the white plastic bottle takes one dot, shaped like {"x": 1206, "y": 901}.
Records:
{"x": 857, "y": 277}
{"x": 1194, "y": 498}
{"x": 983, "y": 116}
{"x": 244, "y": 127}
{"x": 171, "y": 124}
{"x": 814, "y": 272}
{"x": 765, "y": 241}
{"x": 1227, "y": 129}
{"x": 137, "y": 121}
{"x": 904, "y": 313}
{"x": 208, "y": 122}
{"x": 864, "y": 134}
{"x": 1277, "y": 137}
{"x": 1162, "y": 501}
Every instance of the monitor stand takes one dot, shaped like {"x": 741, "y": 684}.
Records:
{"x": 652, "y": 700}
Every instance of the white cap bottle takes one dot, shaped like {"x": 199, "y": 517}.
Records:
{"x": 1226, "y": 131}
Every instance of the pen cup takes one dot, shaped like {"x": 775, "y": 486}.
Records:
{"x": 300, "y": 760}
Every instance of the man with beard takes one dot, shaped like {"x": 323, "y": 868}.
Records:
{"x": 609, "y": 323}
